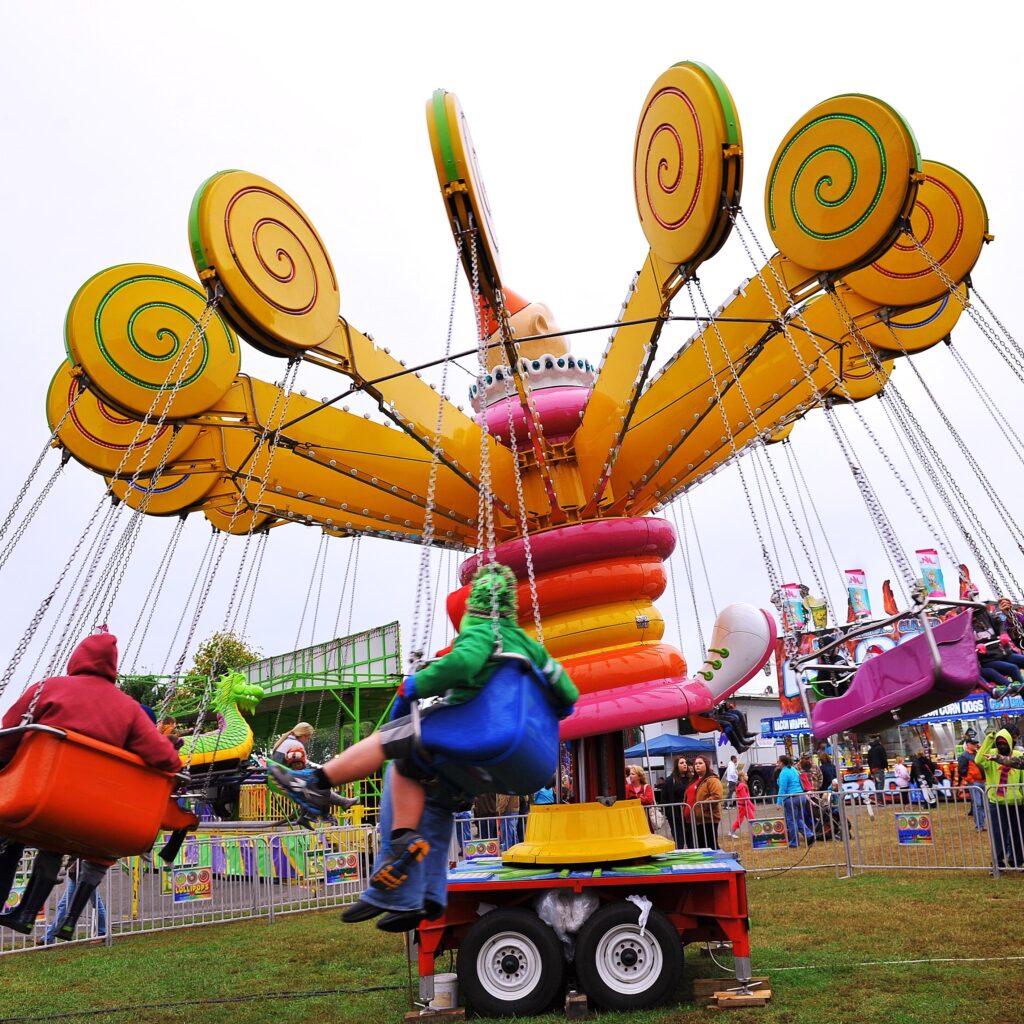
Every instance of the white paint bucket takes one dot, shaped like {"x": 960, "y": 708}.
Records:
{"x": 446, "y": 992}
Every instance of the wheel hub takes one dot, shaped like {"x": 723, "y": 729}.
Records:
{"x": 510, "y": 963}
{"x": 629, "y": 957}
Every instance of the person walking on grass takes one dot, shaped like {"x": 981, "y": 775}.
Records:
{"x": 792, "y": 801}
{"x": 732, "y": 778}
{"x": 970, "y": 775}
{"x": 745, "y": 810}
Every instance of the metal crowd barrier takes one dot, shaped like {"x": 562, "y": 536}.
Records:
{"x": 219, "y": 875}
{"x": 226, "y": 875}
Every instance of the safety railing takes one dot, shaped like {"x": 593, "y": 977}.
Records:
{"x": 217, "y": 876}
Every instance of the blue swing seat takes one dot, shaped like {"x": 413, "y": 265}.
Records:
{"x": 504, "y": 740}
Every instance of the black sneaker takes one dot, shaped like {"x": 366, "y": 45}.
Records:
{"x": 399, "y": 861}
{"x": 302, "y": 787}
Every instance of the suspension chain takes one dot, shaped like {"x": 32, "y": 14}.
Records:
{"x": 20, "y": 529}
{"x": 421, "y": 643}
{"x": 875, "y": 508}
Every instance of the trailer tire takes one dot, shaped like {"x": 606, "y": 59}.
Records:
{"x": 621, "y": 969}
{"x": 510, "y": 964}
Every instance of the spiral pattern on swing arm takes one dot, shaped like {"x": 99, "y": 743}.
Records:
{"x": 280, "y": 288}
{"x": 840, "y": 182}
{"x": 137, "y": 330}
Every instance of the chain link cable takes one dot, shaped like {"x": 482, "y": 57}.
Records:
{"x": 309, "y": 589}
{"x": 344, "y": 582}
{"x": 684, "y": 553}
{"x": 181, "y": 360}
{"x": 421, "y": 642}
{"x": 762, "y": 437}
{"x": 773, "y": 576}
{"x": 913, "y": 429}
{"x": 19, "y": 530}
{"x": 986, "y": 484}
{"x": 251, "y": 578}
{"x": 198, "y": 581}
{"x": 59, "y": 617}
{"x": 486, "y": 543}
{"x": 161, "y": 577}
{"x": 700, "y": 549}
{"x": 991, "y": 407}
{"x": 801, "y": 487}
{"x": 285, "y": 389}
{"x": 53, "y": 441}
{"x": 868, "y": 494}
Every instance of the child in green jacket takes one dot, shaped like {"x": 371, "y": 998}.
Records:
{"x": 458, "y": 676}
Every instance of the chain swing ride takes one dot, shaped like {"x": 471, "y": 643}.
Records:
{"x": 557, "y": 471}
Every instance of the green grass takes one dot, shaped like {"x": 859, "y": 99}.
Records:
{"x": 799, "y": 920}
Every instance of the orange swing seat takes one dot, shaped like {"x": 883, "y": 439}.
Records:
{"x": 69, "y": 793}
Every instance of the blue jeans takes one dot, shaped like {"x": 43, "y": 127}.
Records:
{"x": 463, "y": 829}
{"x": 62, "y": 908}
{"x": 979, "y": 800}
{"x": 795, "y": 809}
{"x": 428, "y": 880}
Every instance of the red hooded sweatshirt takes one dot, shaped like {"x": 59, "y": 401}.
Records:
{"x": 88, "y": 701}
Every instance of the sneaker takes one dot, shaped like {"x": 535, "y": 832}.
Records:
{"x": 399, "y": 861}
{"x": 810, "y": 841}
{"x": 301, "y": 787}
{"x": 360, "y": 911}
{"x": 742, "y": 640}
{"x": 733, "y": 835}
{"x": 401, "y": 921}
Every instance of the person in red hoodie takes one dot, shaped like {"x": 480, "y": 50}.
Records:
{"x": 86, "y": 700}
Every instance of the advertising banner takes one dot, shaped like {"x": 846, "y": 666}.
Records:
{"x": 768, "y": 833}
{"x": 794, "y": 614}
{"x": 857, "y": 589}
{"x": 190, "y": 885}
{"x": 913, "y": 828}
{"x": 931, "y": 572}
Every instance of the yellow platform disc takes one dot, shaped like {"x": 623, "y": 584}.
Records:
{"x": 687, "y": 152}
{"x": 137, "y": 328}
{"x": 586, "y": 834}
{"x": 178, "y": 491}
{"x": 98, "y": 436}
{"x": 840, "y": 182}
{"x": 950, "y": 221}
{"x": 280, "y": 288}
{"x": 462, "y": 184}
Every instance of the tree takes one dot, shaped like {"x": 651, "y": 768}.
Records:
{"x": 222, "y": 652}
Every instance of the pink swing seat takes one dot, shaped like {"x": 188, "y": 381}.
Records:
{"x": 904, "y": 680}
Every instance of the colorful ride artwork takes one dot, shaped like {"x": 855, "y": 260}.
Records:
{"x": 872, "y": 247}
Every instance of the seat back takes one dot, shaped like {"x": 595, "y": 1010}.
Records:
{"x": 904, "y": 680}
{"x": 72, "y": 794}
{"x": 504, "y": 740}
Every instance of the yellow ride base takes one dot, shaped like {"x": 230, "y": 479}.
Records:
{"x": 586, "y": 834}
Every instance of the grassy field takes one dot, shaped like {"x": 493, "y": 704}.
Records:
{"x": 812, "y": 933}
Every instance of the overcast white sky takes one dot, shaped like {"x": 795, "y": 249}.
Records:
{"x": 114, "y": 113}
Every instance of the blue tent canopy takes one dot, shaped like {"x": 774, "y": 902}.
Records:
{"x": 670, "y": 745}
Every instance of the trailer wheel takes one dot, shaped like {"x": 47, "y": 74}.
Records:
{"x": 510, "y": 963}
{"x": 758, "y": 787}
{"x": 619, "y": 968}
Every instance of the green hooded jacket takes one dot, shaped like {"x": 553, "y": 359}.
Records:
{"x": 1003, "y": 784}
{"x": 462, "y": 672}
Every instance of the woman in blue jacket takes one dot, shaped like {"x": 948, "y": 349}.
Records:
{"x": 793, "y": 802}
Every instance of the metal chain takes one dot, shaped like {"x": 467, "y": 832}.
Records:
{"x": 912, "y": 428}
{"x": 309, "y": 589}
{"x": 161, "y": 575}
{"x": 45, "y": 646}
{"x": 684, "y": 552}
{"x": 181, "y": 360}
{"x": 800, "y": 486}
{"x": 20, "y": 529}
{"x": 421, "y": 642}
{"x": 969, "y": 458}
{"x": 251, "y": 579}
{"x": 752, "y": 417}
{"x": 524, "y": 525}
{"x": 773, "y": 576}
{"x": 1007, "y": 346}
{"x": 700, "y": 549}
{"x": 53, "y": 439}
{"x": 488, "y": 552}
{"x": 344, "y": 583}
{"x": 868, "y": 494}
{"x": 198, "y": 581}
{"x": 285, "y": 388}
{"x": 991, "y": 407}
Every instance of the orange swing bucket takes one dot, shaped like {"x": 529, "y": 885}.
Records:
{"x": 69, "y": 793}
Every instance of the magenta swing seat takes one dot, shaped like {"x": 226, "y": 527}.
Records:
{"x": 905, "y": 679}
